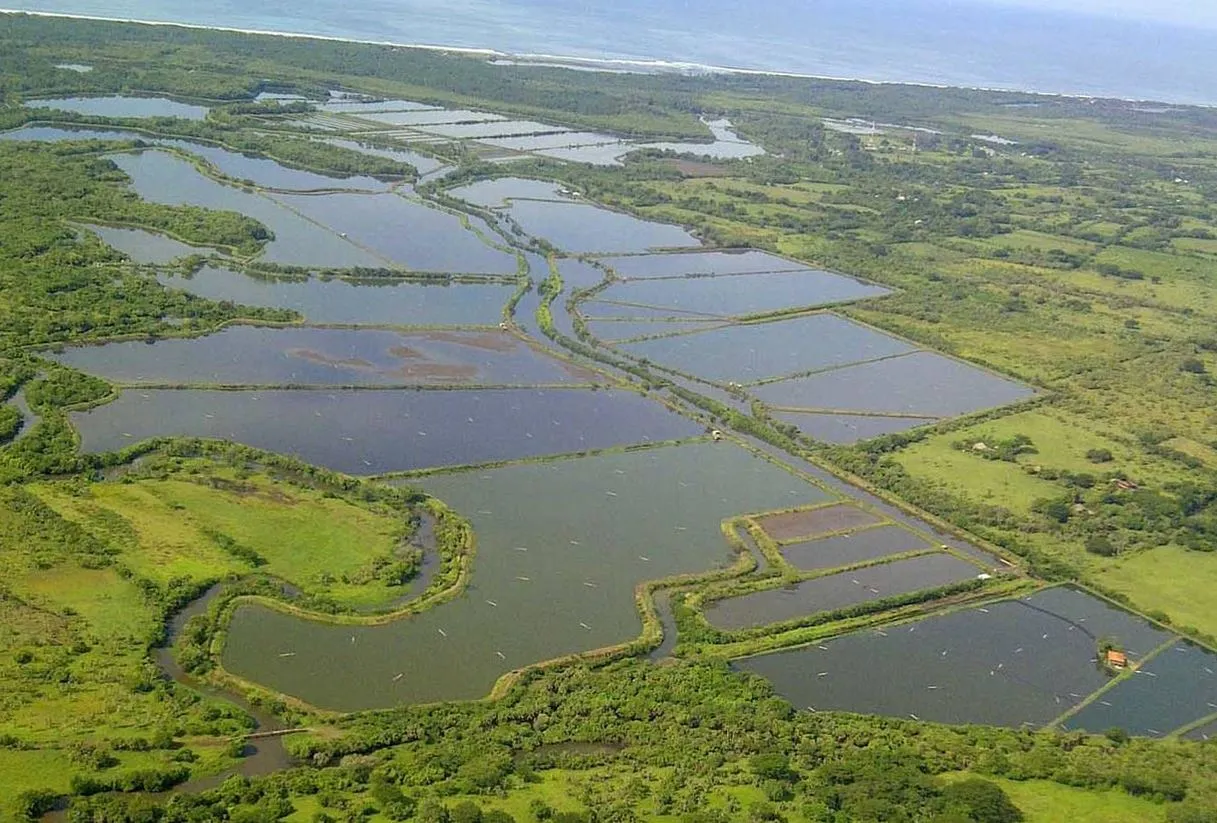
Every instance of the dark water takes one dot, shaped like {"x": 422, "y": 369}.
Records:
{"x": 1175, "y": 688}
{"x": 1205, "y": 732}
{"x": 847, "y": 549}
{"x": 838, "y": 591}
{"x": 383, "y": 302}
{"x": 160, "y": 177}
{"x": 921, "y": 383}
{"x": 741, "y": 295}
{"x": 420, "y": 237}
{"x": 581, "y": 227}
{"x": 1009, "y": 663}
{"x": 376, "y": 431}
{"x": 612, "y": 330}
{"x": 498, "y": 192}
{"x": 560, "y": 548}
{"x": 746, "y": 353}
{"x": 849, "y": 428}
{"x": 122, "y": 106}
{"x": 704, "y": 263}
{"x": 144, "y": 246}
{"x": 251, "y": 355}
{"x": 926, "y": 41}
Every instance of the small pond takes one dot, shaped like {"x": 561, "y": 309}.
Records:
{"x": 122, "y": 106}
{"x": 422, "y": 163}
{"x": 846, "y": 429}
{"x": 837, "y": 591}
{"x": 145, "y": 246}
{"x": 499, "y": 191}
{"x": 847, "y": 549}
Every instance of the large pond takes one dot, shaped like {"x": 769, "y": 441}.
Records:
{"x": 384, "y": 301}
{"x": 252, "y": 355}
{"x": 160, "y": 177}
{"x": 921, "y": 383}
{"x": 641, "y": 266}
{"x": 1011, "y": 663}
{"x": 122, "y": 106}
{"x": 373, "y": 431}
{"x": 581, "y": 227}
{"x": 1175, "y": 688}
{"x": 498, "y": 192}
{"x": 556, "y": 581}
{"x": 746, "y": 353}
{"x": 745, "y": 294}
{"x": 836, "y": 591}
{"x": 420, "y": 237}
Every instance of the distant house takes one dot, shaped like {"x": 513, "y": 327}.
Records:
{"x": 1117, "y": 659}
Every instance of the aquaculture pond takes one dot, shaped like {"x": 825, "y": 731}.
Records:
{"x": 144, "y": 246}
{"x": 846, "y": 429}
{"x": 253, "y": 355}
{"x": 684, "y": 264}
{"x": 383, "y": 301}
{"x": 581, "y": 227}
{"x": 603, "y": 309}
{"x": 372, "y": 431}
{"x": 122, "y": 106}
{"x": 744, "y": 294}
{"x": 421, "y": 162}
{"x": 429, "y": 117}
{"x": 498, "y": 192}
{"x": 502, "y": 128}
{"x": 922, "y": 384}
{"x": 552, "y": 141}
{"x": 1011, "y": 663}
{"x": 836, "y": 591}
{"x": 618, "y": 330}
{"x": 1175, "y": 688}
{"x": 755, "y": 351}
{"x": 557, "y": 581}
{"x": 800, "y": 524}
{"x": 160, "y": 177}
{"x": 856, "y": 547}
{"x": 420, "y": 237}
{"x": 578, "y": 274}
{"x": 57, "y": 134}
{"x": 607, "y": 154}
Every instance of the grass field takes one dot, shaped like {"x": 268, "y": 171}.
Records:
{"x": 1042, "y": 801}
{"x": 1179, "y": 582}
{"x": 168, "y": 528}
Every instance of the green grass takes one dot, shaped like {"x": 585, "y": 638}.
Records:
{"x": 167, "y": 528}
{"x": 1045, "y": 802}
{"x": 1177, "y": 581}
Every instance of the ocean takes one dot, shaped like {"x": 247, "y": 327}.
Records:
{"x": 941, "y": 42}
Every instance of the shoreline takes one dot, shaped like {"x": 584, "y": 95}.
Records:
{"x": 606, "y": 64}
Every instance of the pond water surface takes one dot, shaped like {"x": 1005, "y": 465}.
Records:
{"x": 160, "y": 177}
{"x": 421, "y": 162}
{"x": 848, "y": 549}
{"x": 582, "y": 227}
{"x": 754, "y": 351}
{"x": 556, "y": 581}
{"x": 385, "y": 301}
{"x": 145, "y": 246}
{"x": 373, "y": 431}
{"x": 836, "y": 591}
{"x": 614, "y": 330}
{"x": 849, "y": 428}
{"x": 922, "y": 383}
{"x": 253, "y": 355}
{"x": 122, "y": 106}
{"x": 682, "y": 264}
{"x": 1010, "y": 663}
{"x": 739, "y": 295}
{"x": 498, "y": 192}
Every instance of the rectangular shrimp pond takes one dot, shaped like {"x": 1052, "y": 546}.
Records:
{"x": 1030, "y": 661}
{"x": 560, "y": 548}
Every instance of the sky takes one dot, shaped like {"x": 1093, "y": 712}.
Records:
{"x": 1189, "y": 13}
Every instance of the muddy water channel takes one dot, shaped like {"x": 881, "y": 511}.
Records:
{"x": 1015, "y": 662}
{"x": 251, "y": 355}
{"x": 560, "y": 548}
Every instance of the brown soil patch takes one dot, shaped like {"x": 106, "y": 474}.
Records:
{"x": 803, "y": 524}
{"x": 694, "y": 168}
{"x": 487, "y": 341}
{"x": 325, "y": 360}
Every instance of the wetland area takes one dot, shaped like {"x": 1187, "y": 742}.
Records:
{"x": 585, "y": 489}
